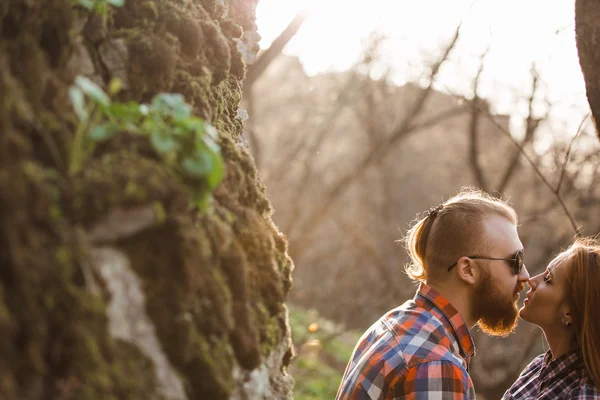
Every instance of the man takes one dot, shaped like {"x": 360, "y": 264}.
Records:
{"x": 468, "y": 258}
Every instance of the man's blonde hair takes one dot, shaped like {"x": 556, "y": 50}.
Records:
{"x": 452, "y": 230}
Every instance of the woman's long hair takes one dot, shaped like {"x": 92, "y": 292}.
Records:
{"x": 584, "y": 288}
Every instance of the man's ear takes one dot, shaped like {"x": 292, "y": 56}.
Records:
{"x": 466, "y": 271}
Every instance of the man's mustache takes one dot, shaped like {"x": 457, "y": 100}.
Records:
{"x": 519, "y": 287}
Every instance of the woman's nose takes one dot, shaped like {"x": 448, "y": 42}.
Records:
{"x": 533, "y": 282}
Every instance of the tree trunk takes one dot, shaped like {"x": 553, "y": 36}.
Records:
{"x": 587, "y": 28}
{"x": 111, "y": 286}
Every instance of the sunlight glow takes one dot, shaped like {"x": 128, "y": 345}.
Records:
{"x": 518, "y": 32}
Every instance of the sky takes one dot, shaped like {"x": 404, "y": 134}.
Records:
{"x": 517, "y": 32}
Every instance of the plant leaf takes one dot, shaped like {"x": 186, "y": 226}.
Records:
{"x": 162, "y": 142}
{"x": 126, "y": 112}
{"x": 116, "y": 3}
{"x": 167, "y": 102}
{"x": 210, "y": 143}
{"x": 144, "y": 109}
{"x": 211, "y": 131}
{"x": 103, "y": 132}
{"x": 218, "y": 170}
{"x": 78, "y": 101}
{"x": 201, "y": 199}
{"x": 182, "y": 112}
{"x": 198, "y": 166}
{"x": 194, "y": 124}
{"x": 92, "y": 90}
{"x": 115, "y": 85}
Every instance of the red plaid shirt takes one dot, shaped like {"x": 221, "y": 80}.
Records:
{"x": 420, "y": 350}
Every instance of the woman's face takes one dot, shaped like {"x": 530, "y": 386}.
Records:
{"x": 546, "y": 305}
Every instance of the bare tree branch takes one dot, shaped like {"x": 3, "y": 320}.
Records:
{"x": 408, "y": 126}
{"x": 568, "y": 153}
{"x": 537, "y": 172}
{"x": 323, "y": 131}
{"x": 371, "y": 251}
{"x": 256, "y": 70}
{"x": 531, "y": 126}
{"x": 473, "y": 128}
{"x": 351, "y": 86}
{"x": 531, "y": 162}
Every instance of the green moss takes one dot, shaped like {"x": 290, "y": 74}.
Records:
{"x": 271, "y": 332}
{"x": 124, "y": 179}
{"x": 152, "y": 63}
{"x": 214, "y": 282}
{"x": 188, "y": 33}
{"x": 215, "y": 358}
{"x": 227, "y": 300}
{"x": 190, "y": 303}
{"x": 159, "y": 212}
{"x": 135, "y": 192}
{"x": 150, "y": 9}
{"x": 64, "y": 257}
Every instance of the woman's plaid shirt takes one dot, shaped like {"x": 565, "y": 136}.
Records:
{"x": 563, "y": 378}
{"x": 420, "y": 350}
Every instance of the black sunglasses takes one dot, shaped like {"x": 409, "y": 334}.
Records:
{"x": 517, "y": 261}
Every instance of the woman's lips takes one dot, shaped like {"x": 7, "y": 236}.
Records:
{"x": 525, "y": 302}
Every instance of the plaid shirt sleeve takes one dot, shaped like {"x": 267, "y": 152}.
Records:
{"x": 429, "y": 380}
{"x": 434, "y": 380}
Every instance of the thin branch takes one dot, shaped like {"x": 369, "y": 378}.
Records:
{"x": 372, "y": 252}
{"x": 256, "y": 70}
{"x": 474, "y": 125}
{"x": 537, "y": 172}
{"x": 532, "y": 163}
{"x": 343, "y": 184}
{"x": 531, "y": 126}
{"x": 408, "y": 126}
{"x": 322, "y": 132}
{"x": 568, "y": 154}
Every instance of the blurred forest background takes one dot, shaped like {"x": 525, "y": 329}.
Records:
{"x": 350, "y": 157}
{"x": 138, "y": 251}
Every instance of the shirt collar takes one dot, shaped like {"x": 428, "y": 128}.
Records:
{"x": 566, "y": 362}
{"x": 453, "y": 321}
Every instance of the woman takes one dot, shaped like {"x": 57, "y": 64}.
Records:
{"x": 564, "y": 301}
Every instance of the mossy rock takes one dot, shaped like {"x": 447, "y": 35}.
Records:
{"x": 214, "y": 280}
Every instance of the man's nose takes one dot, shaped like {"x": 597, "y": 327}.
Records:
{"x": 524, "y": 274}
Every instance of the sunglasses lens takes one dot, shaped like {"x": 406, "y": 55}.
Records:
{"x": 518, "y": 265}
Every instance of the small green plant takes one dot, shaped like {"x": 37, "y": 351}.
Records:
{"x": 187, "y": 144}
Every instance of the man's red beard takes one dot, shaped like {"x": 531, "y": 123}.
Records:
{"x": 497, "y": 313}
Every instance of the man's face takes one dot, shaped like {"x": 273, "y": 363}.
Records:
{"x": 497, "y": 308}
{"x": 497, "y": 292}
